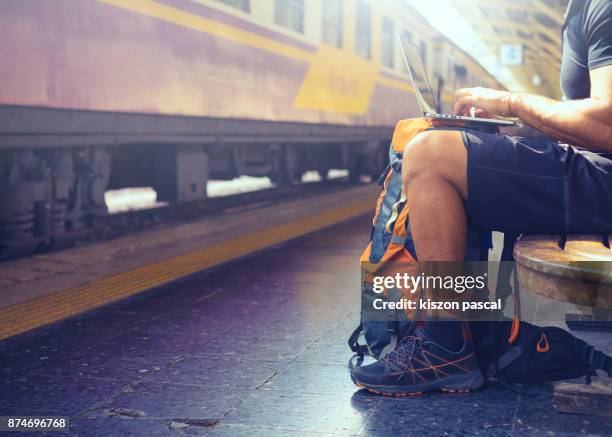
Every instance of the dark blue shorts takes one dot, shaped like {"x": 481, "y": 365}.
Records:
{"x": 536, "y": 185}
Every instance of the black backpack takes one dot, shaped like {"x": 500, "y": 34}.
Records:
{"x": 538, "y": 355}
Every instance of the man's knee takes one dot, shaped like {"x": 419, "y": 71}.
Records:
{"x": 436, "y": 153}
{"x": 423, "y": 153}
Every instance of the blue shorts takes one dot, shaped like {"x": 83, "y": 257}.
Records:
{"x": 536, "y": 185}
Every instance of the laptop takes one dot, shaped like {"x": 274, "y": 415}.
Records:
{"x": 425, "y": 96}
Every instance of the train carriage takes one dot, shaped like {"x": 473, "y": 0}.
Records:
{"x": 102, "y": 94}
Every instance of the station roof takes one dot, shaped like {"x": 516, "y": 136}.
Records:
{"x": 533, "y": 25}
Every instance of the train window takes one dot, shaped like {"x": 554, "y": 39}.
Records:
{"x": 423, "y": 50}
{"x": 363, "y": 36}
{"x": 290, "y": 14}
{"x": 388, "y": 38}
{"x": 461, "y": 76}
{"x": 332, "y": 22}
{"x": 240, "y": 4}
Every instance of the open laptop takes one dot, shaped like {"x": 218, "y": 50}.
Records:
{"x": 425, "y": 96}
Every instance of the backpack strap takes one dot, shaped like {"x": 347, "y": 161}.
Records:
{"x": 597, "y": 360}
{"x": 516, "y": 321}
{"x": 503, "y": 361}
{"x": 393, "y": 330}
{"x": 398, "y": 239}
{"x": 360, "y": 351}
{"x": 503, "y": 288}
{"x": 386, "y": 212}
{"x": 381, "y": 179}
{"x": 353, "y": 342}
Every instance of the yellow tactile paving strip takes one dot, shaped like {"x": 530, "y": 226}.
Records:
{"x": 48, "y": 309}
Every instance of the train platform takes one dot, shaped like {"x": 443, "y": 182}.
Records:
{"x": 49, "y": 287}
{"x": 256, "y": 346}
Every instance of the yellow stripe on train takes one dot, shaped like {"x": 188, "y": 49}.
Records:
{"x": 336, "y": 81}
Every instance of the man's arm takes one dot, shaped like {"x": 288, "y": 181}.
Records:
{"x": 586, "y": 122}
{"x": 522, "y": 130}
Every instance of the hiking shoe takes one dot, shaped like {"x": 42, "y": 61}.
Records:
{"x": 418, "y": 365}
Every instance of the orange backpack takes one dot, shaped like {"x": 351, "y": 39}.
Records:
{"x": 391, "y": 247}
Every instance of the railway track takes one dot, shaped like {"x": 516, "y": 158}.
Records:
{"x": 111, "y": 226}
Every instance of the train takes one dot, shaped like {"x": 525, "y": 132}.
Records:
{"x": 105, "y": 94}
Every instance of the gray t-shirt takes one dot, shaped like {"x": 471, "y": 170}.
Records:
{"x": 587, "y": 44}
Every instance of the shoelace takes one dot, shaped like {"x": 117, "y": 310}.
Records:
{"x": 404, "y": 352}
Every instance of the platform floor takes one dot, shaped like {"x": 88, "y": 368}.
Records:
{"x": 49, "y": 287}
{"x": 257, "y": 347}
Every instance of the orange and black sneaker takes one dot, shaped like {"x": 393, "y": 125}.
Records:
{"x": 418, "y": 365}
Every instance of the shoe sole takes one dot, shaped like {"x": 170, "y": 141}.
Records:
{"x": 452, "y": 384}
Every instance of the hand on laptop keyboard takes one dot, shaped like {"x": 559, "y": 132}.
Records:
{"x": 489, "y": 103}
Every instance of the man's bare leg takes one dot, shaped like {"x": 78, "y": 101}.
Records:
{"x": 435, "y": 178}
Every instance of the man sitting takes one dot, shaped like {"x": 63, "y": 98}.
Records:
{"x": 557, "y": 184}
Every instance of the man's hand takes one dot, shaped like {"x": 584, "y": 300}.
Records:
{"x": 585, "y": 122}
{"x": 488, "y": 103}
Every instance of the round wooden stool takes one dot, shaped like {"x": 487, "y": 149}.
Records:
{"x": 576, "y": 270}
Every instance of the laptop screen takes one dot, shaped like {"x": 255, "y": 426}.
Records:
{"x": 418, "y": 76}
